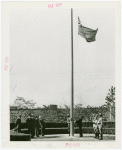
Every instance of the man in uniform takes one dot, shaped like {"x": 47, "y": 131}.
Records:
{"x": 79, "y": 123}
{"x": 42, "y": 123}
{"x": 18, "y": 123}
{"x": 28, "y": 123}
{"x": 95, "y": 125}
{"x": 97, "y": 130}
{"x": 100, "y": 124}
{"x": 32, "y": 124}
{"x": 68, "y": 122}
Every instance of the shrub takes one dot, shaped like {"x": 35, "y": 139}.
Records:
{"x": 64, "y": 124}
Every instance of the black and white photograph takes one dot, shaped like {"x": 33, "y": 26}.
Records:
{"x": 61, "y": 68}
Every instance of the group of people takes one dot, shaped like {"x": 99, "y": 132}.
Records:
{"x": 37, "y": 122}
{"x": 97, "y": 126}
{"x": 33, "y": 125}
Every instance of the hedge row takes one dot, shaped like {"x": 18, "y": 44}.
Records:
{"x": 61, "y": 125}
{"x": 86, "y": 130}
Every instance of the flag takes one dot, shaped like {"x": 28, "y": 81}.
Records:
{"x": 87, "y": 33}
{"x": 79, "y": 22}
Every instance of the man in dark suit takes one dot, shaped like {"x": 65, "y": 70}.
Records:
{"x": 32, "y": 124}
{"x": 68, "y": 122}
{"x": 18, "y": 123}
{"x": 37, "y": 124}
{"x": 79, "y": 123}
{"x": 28, "y": 123}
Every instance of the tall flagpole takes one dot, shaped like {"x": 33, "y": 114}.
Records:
{"x": 72, "y": 79}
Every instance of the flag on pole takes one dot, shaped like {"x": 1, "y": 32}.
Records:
{"x": 79, "y": 22}
{"x": 86, "y": 33}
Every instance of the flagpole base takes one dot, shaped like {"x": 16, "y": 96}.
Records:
{"x": 72, "y": 136}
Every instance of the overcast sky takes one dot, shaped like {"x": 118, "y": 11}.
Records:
{"x": 40, "y": 56}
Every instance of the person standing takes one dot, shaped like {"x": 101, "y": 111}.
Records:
{"x": 93, "y": 120}
{"x": 95, "y": 125}
{"x": 18, "y": 124}
{"x": 28, "y": 124}
{"x": 42, "y": 123}
{"x": 37, "y": 123}
{"x": 79, "y": 123}
{"x": 68, "y": 122}
{"x": 32, "y": 124}
{"x": 100, "y": 124}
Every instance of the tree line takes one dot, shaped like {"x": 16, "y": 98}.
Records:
{"x": 109, "y": 105}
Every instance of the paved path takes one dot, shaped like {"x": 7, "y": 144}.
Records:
{"x": 65, "y": 137}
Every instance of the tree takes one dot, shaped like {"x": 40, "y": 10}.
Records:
{"x": 78, "y": 106}
{"x": 46, "y": 107}
{"x": 22, "y": 103}
{"x": 78, "y": 110}
{"x": 60, "y": 107}
{"x": 89, "y": 106}
{"x": 110, "y": 101}
{"x": 66, "y": 107}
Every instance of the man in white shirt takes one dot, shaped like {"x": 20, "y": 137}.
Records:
{"x": 100, "y": 124}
